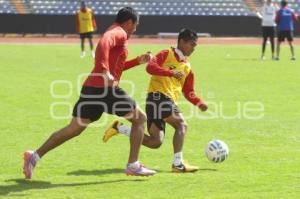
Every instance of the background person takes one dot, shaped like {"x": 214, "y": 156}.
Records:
{"x": 285, "y": 18}
{"x": 86, "y": 26}
{"x": 267, "y": 14}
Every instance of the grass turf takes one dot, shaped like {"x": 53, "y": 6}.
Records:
{"x": 264, "y": 153}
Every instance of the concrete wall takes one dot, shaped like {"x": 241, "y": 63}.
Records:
{"x": 149, "y": 25}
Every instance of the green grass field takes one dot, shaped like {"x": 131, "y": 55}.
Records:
{"x": 264, "y": 160}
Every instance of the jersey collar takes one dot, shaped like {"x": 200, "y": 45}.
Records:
{"x": 180, "y": 54}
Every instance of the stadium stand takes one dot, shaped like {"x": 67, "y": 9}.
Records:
{"x": 144, "y": 7}
{"x": 6, "y": 7}
{"x": 254, "y": 4}
{"x": 154, "y": 7}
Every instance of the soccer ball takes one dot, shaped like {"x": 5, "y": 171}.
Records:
{"x": 217, "y": 151}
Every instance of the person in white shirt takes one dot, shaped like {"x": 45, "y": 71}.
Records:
{"x": 267, "y": 14}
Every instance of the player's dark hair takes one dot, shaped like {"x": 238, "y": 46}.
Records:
{"x": 283, "y": 3}
{"x": 187, "y": 35}
{"x": 82, "y": 4}
{"x": 125, "y": 14}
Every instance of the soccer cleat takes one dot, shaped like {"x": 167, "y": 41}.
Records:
{"x": 29, "y": 164}
{"x": 140, "y": 171}
{"x": 263, "y": 57}
{"x": 111, "y": 131}
{"x": 93, "y": 54}
{"x": 276, "y": 59}
{"x": 184, "y": 167}
{"x": 293, "y": 59}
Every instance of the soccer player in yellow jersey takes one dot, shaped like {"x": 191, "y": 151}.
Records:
{"x": 171, "y": 74}
{"x": 85, "y": 25}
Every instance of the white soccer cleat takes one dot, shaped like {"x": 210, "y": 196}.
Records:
{"x": 29, "y": 164}
{"x": 140, "y": 171}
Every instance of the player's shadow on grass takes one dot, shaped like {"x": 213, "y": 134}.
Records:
{"x": 95, "y": 172}
{"x": 207, "y": 169}
{"x": 24, "y": 185}
{"x": 199, "y": 171}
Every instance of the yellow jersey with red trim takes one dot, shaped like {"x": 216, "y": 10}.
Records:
{"x": 85, "y": 20}
{"x": 168, "y": 85}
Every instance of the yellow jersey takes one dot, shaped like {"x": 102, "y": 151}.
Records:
{"x": 86, "y": 21}
{"x": 168, "y": 85}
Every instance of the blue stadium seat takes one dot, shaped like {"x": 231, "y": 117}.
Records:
{"x": 144, "y": 7}
{"x": 6, "y": 7}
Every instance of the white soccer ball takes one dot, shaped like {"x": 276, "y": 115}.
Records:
{"x": 217, "y": 151}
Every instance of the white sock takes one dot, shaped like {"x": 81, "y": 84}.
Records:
{"x": 36, "y": 156}
{"x": 123, "y": 129}
{"x": 177, "y": 158}
{"x": 134, "y": 165}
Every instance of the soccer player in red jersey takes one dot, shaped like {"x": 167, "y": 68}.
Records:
{"x": 171, "y": 75}
{"x": 101, "y": 93}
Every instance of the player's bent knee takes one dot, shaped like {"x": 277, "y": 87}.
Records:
{"x": 157, "y": 143}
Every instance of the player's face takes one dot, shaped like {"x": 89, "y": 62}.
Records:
{"x": 188, "y": 47}
{"x": 131, "y": 27}
{"x": 83, "y": 6}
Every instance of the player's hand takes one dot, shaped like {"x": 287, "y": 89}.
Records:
{"x": 145, "y": 58}
{"x": 178, "y": 74}
{"x": 108, "y": 78}
{"x": 258, "y": 15}
{"x": 203, "y": 107}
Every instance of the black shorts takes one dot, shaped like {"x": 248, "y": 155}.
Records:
{"x": 158, "y": 108}
{"x": 94, "y": 101}
{"x": 288, "y": 34}
{"x": 86, "y": 35}
{"x": 268, "y": 31}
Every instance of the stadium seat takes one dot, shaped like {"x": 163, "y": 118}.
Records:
{"x": 144, "y": 7}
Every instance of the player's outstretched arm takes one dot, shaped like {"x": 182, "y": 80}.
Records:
{"x": 190, "y": 94}
{"x": 258, "y": 12}
{"x": 259, "y": 15}
{"x": 154, "y": 67}
{"x": 94, "y": 22}
{"x": 142, "y": 59}
{"x": 145, "y": 58}
{"x": 295, "y": 16}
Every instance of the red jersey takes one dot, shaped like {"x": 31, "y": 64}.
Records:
{"x": 111, "y": 55}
